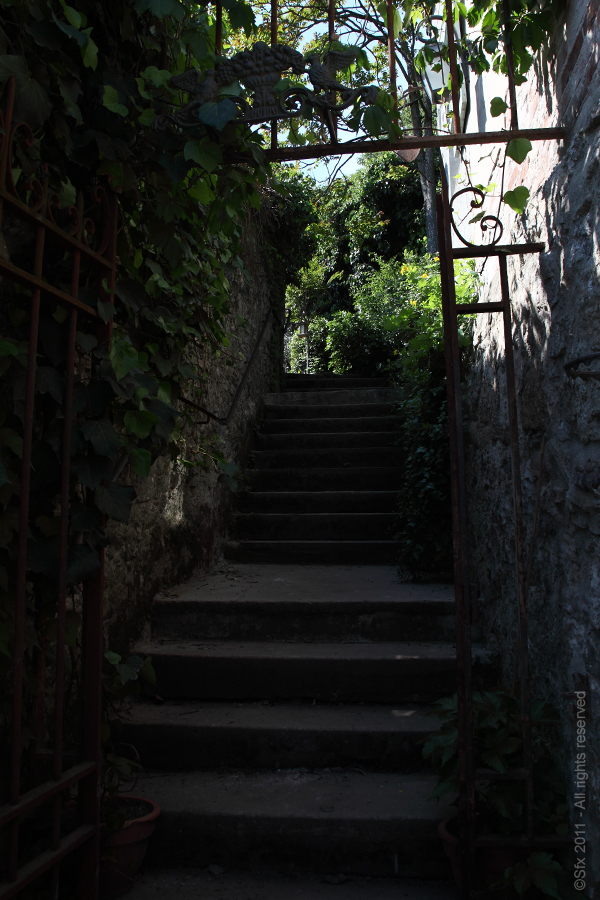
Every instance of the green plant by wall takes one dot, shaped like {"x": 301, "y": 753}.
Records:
{"x": 89, "y": 82}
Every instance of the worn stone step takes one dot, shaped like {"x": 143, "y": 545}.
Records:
{"x": 330, "y": 382}
{"x": 183, "y": 736}
{"x": 362, "y": 552}
{"x": 328, "y": 410}
{"x": 380, "y": 824}
{"x": 380, "y": 672}
{"x": 334, "y": 526}
{"x": 353, "y": 478}
{"x": 317, "y": 501}
{"x": 329, "y": 398}
{"x": 264, "y": 883}
{"x": 333, "y": 457}
{"x": 334, "y": 424}
{"x": 322, "y": 440}
{"x": 305, "y": 603}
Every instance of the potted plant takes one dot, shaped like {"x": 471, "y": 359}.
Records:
{"x": 497, "y": 745}
{"x": 128, "y": 821}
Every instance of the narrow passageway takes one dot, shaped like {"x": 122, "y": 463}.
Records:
{"x": 296, "y": 678}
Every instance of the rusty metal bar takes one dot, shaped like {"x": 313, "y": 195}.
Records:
{"x": 63, "y": 552}
{"x": 274, "y": 37}
{"x": 45, "y": 791}
{"x": 469, "y": 308}
{"x": 453, "y": 66}
{"x": 51, "y": 227}
{"x": 44, "y": 861}
{"x": 519, "y": 540}
{"x": 9, "y": 104}
{"x": 413, "y": 143}
{"x": 93, "y": 640}
{"x": 21, "y": 586}
{"x": 331, "y": 20}
{"x": 510, "y": 67}
{"x": 459, "y": 529}
{"x": 392, "y": 55}
{"x": 38, "y": 285}
{"x": 497, "y": 250}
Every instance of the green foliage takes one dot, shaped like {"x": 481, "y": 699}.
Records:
{"x": 517, "y": 198}
{"x": 538, "y": 871}
{"x": 497, "y": 743}
{"x": 90, "y": 81}
{"x": 120, "y": 681}
{"x": 518, "y": 149}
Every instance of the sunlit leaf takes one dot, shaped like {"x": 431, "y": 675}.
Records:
{"x": 517, "y": 199}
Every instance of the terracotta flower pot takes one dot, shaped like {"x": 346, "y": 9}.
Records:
{"x": 127, "y": 848}
{"x": 490, "y": 863}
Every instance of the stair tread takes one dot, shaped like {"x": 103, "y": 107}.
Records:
{"x": 340, "y": 397}
{"x": 290, "y": 717}
{"x": 330, "y": 425}
{"x": 369, "y": 587}
{"x": 294, "y": 794}
{"x": 286, "y": 651}
{"x": 187, "y": 883}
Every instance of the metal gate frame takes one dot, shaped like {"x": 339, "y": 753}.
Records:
{"x": 86, "y": 773}
{"x": 469, "y": 842}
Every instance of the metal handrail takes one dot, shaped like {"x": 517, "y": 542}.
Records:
{"x": 227, "y": 419}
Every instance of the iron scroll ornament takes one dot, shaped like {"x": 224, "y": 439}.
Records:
{"x": 486, "y": 221}
{"x": 260, "y": 69}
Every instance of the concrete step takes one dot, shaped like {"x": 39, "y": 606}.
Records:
{"x": 322, "y": 440}
{"x": 329, "y": 398}
{"x": 379, "y": 672}
{"x": 193, "y": 883}
{"x": 305, "y": 603}
{"x": 317, "y": 501}
{"x": 334, "y": 457}
{"x": 329, "y": 821}
{"x": 331, "y": 382}
{"x": 328, "y": 410}
{"x": 316, "y": 526}
{"x": 335, "y": 424}
{"x": 183, "y": 736}
{"x": 359, "y": 478}
{"x": 365, "y": 553}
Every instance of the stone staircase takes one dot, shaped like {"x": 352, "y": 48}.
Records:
{"x": 296, "y": 678}
{"x": 323, "y": 477}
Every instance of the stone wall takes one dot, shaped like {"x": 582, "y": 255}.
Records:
{"x": 556, "y": 306}
{"x": 180, "y": 516}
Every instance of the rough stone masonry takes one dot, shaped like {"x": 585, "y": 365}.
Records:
{"x": 556, "y": 307}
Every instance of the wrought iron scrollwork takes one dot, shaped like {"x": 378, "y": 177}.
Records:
{"x": 487, "y": 221}
{"x": 260, "y": 69}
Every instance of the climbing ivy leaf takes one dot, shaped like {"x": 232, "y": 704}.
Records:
{"x": 497, "y": 106}
{"x": 115, "y": 500}
{"x": 102, "y": 435}
{"x": 205, "y": 153}
{"x": 111, "y": 102}
{"x": 140, "y": 422}
{"x": 141, "y": 461}
{"x": 83, "y": 563}
{"x": 91, "y": 470}
{"x": 517, "y": 199}
{"x": 217, "y": 114}
{"x": 47, "y": 380}
{"x": 160, "y": 8}
{"x": 518, "y": 149}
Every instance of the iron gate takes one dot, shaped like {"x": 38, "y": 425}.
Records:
{"x": 76, "y": 241}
